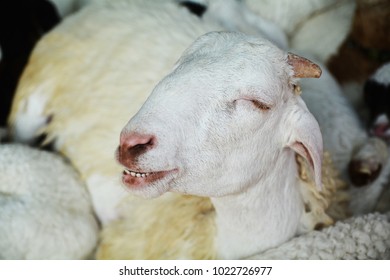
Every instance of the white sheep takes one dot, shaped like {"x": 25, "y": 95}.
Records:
{"x": 68, "y": 7}
{"x": 40, "y": 96}
{"x": 115, "y": 46}
{"x": 315, "y": 26}
{"x": 45, "y": 210}
{"x": 154, "y": 140}
{"x": 235, "y": 15}
{"x": 241, "y": 124}
{"x": 121, "y": 77}
{"x": 361, "y": 160}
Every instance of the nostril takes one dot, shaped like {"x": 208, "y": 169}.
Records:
{"x": 150, "y": 143}
{"x": 133, "y": 145}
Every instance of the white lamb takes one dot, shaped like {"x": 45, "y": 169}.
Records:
{"x": 238, "y": 131}
{"x": 107, "y": 64}
{"x": 71, "y": 104}
{"x": 118, "y": 47}
{"x": 45, "y": 210}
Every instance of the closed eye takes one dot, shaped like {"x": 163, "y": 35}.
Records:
{"x": 260, "y": 105}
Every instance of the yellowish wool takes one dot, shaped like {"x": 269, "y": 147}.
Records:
{"x": 173, "y": 226}
{"x": 322, "y": 207}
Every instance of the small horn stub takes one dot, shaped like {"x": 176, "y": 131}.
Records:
{"x": 303, "y": 68}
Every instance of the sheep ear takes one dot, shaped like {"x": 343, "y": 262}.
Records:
{"x": 306, "y": 140}
{"x": 302, "y": 67}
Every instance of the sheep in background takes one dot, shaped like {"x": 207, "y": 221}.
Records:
{"x": 370, "y": 102}
{"x": 45, "y": 210}
{"x": 234, "y": 15}
{"x": 22, "y": 23}
{"x": 363, "y": 161}
{"x": 376, "y": 96}
{"x": 315, "y": 26}
{"x": 377, "y": 100}
{"x": 68, "y": 7}
{"x": 367, "y": 45}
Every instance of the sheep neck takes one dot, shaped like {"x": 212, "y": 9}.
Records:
{"x": 264, "y": 216}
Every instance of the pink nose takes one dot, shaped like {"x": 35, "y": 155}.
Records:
{"x": 133, "y": 145}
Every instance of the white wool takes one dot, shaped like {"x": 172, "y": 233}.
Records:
{"x": 45, "y": 210}
{"x": 235, "y": 15}
{"x": 358, "y": 238}
{"x": 33, "y": 118}
{"x": 67, "y": 7}
{"x": 317, "y": 26}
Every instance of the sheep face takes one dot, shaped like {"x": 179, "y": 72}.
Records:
{"x": 219, "y": 123}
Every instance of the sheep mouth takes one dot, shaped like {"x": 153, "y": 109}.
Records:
{"x": 138, "y": 179}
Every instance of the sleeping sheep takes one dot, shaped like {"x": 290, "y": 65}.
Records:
{"x": 41, "y": 99}
{"x": 45, "y": 210}
{"x": 119, "y": 65}
{"x": 224, "y": 159}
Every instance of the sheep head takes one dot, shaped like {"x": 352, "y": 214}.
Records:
{"x": 220, "y": 121}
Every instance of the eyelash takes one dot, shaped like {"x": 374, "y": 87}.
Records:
{"x": 260, "y": 105}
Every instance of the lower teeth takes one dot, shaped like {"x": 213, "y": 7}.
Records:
{"x": 134, "y": 174}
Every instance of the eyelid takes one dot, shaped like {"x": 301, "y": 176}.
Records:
{"x": 261, "y": 105}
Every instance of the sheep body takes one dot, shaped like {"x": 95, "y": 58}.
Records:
{"x": 45, "y": 210}
{"x": 316, "y": 26}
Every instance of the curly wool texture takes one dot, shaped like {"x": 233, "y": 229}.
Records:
{"x": 176, "y": 226}
{"x": 363, "y": 237}
{"x": 322, "y": 207}
{"x": 45, "y": 210}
